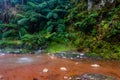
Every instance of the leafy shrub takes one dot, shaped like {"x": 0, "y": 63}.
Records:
{"x": 10, "y": 43}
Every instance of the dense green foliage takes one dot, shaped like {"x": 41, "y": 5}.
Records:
{"x": 62, "y": 25}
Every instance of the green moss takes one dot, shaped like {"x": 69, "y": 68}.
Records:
{"x": 10, "y": 43}
{"x": 59, "y": 47}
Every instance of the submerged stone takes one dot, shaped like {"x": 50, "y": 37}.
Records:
{"x": 92, "y": 76}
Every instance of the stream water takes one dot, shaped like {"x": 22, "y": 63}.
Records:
{"x": 50, "y": 67}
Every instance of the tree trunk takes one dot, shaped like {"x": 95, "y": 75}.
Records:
{"x": 90, "y": 4}
{"x": 5, "y": 4}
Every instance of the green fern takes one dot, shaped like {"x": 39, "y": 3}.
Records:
{"x": 32, "y": 4}
{"x": 50, "y": 28}
{"x": 61, "y": 28}
{"x": 23, "y": 21}
{"x": 19, "y": 15}
{"x": 7, "y": 33}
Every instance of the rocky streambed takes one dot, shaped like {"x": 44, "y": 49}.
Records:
{"x": 56, "y": 67}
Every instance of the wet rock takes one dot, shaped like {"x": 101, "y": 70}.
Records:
{"x": 1, "y": 77}
{"x": 71, "y": 55}
{"x": 76, "y": 63}
{"x": 95, "y": 65}
{"x": 65, "y": 77}
{"x": 39, "y": 51}
{"x": 2, "y": 54}
{"x": 53, "y": 57}
{"x": 11, "y": 51}
{"x": 93, "y": 77}
{"x": 63, "y": 69}
{"x": 45, "y": 70}
{"x": 70, "y": 78}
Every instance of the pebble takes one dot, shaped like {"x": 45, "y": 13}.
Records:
{"x": 2, "y": 54}
{"x": 70, "y": 78}
{"x": 78, "y": 56}
{"x": 1, "y": 77}
{"x": 52, "y": 57}
{"x": 63, "y": 69}
{"x": 38, "y": 56}
{"x": 78, "y": 78}
{"x": 81, "y": 54}
{"x": 48, "y": 53}
{"x": 95, "y": 65}
{"x": 71, "y": 58}
{"x": 76, "y": 63}
{"x": 64, "y": 57}
{"x": 65, "y": 77}
{"x": 45, "y": 70}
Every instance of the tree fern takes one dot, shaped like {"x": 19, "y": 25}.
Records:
{"x": 8, "y": 25}
{"x": 52, "y": 15}
{"x": 23, "y": 21}
{"x": 7, "y": 33}
{"x": 22, "y": 32}
{"x": 61, "y": 28}
{"x": 32, "y": 4}
{"x": 50, "y": 28}
{"x": 19, "y": 15}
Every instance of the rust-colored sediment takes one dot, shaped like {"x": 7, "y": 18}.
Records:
{"x": 12, "y": 69}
